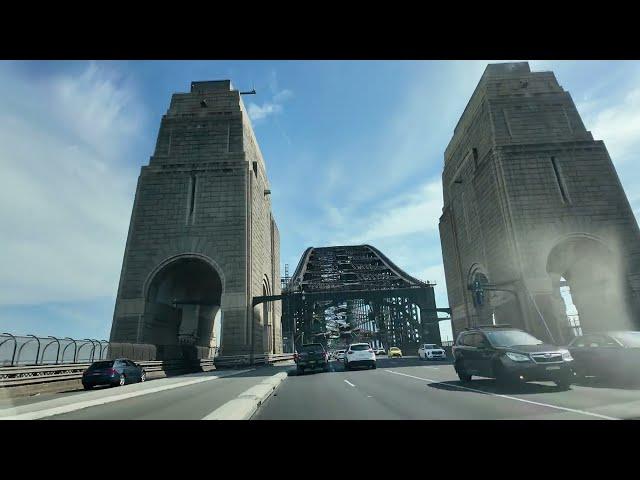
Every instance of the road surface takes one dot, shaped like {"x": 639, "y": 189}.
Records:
{"x": 410, "y": 389}
{"x": 399, "y": 389}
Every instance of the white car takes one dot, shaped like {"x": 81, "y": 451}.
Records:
{"x": 339, "y": 355}
{"x": 359, "y": 354}
{"x": 380, "y": 351}
{"x": 430, "y": 351}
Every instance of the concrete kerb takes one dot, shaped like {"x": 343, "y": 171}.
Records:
{"x": 246, "y": 404}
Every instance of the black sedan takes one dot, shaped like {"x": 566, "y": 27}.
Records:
{"x": 113, "y": 372}
{"x": 611, "y": 355}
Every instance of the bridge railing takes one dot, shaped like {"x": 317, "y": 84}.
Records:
{"x": 25, "y": 350}
{"x": 18, "y": 350}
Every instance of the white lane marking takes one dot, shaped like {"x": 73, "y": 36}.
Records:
{"x": 245, "y": 405}
{"x": 48, "y": 412}
{"x": 582, "y": 412}
{"x": 434, "y": 368}
{"x": 347, "y": 381}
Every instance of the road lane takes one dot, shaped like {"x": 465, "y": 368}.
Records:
{"x": 192, "y": 402}
{"x": 429, "y": 390}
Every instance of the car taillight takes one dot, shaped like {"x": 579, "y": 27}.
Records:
{"x": 112, "y": 371}
{"x": 349, "y": 353}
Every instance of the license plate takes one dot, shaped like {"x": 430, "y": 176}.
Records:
{"x": 553, "y": 368}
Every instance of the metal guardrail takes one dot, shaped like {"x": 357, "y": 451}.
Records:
{"x": 14, "y": 376}
{"x": 243, "y": 360}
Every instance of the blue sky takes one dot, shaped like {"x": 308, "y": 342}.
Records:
{"x": 354, "y": 153}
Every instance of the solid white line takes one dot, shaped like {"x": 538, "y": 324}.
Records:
{"x": 582, "y": 412}
{"x": 48, "y": 412}
{"x": 347, "y": 381}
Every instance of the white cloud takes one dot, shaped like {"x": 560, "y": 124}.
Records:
{"x": 258, "y": 112}
{"x": 64, "y": 201}
{"x": 273, "y": 106}
{"x": 618, "y": 125}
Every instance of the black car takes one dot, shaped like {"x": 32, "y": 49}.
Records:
{"x": 113, "y": 372}
{"x": 311, "y": 356}
{"x": 612, "y": 355}
{"x": 510, "y": 355}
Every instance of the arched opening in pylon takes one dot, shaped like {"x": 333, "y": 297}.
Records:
{"x": 589, "y": 286}
{"x": 182, "y": 302}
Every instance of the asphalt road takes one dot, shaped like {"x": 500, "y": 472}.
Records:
{"x": 411, "y": 389}
{"x": 184, "y": 397}
{"x": 399, "y": 389}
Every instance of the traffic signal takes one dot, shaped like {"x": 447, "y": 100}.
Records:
{"x": 478, "y": 293}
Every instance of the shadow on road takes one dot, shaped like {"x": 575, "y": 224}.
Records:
{"x": 601, "y": 382}
{"x": 490, "y": 386}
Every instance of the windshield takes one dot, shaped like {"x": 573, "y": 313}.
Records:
{"x": 430, "y": 346}
{"x": 510, "y": 338}
{"x": 628, "y": 339}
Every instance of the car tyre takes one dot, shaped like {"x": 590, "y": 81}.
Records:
{"x": 462, "y": 373}
{"x": 300, "y": 371}
{"x": 87, "y": 387}
{"x": 122, "y": 381}
{"x": 325, "y": 368}
{"x": 346, "y": 366}
{"x": 563, "y": 383}
{"x": 374, "y": 365}
{"x": 143, "y": 377}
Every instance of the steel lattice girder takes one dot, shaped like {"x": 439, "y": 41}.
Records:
{"x": 358, "y": 289}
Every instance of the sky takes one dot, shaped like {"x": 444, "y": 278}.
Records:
{"x": 354, "y": 153}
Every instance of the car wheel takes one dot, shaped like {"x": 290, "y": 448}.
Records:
{"x": 122, "y": 381}
{"x": 346, "y": 366}
{"x": 87, "y": 387}
{"x": 326, "y": 368}
{"x": 563, "y": 383}
{"x": 143, "y": 377}
{"x": 300, "y": 371}
{"x": 462, "y": 373}
{"x": 374, "y": 365}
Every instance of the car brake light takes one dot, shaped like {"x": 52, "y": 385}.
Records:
{"x": 349, "y": 352}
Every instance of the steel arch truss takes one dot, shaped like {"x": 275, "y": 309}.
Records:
{"x": 343, "y": 294}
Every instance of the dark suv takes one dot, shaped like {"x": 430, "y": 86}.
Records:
{"x": 310, "y": 357}
{"x": 510, "y": 356}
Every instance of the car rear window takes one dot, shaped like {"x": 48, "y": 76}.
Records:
{"x": 99, "y": 365}
{"x": 311, "y": 348}
{"x": 430, "y": 346}
{"x": 360, "y": 347}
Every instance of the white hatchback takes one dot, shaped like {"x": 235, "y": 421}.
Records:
{"x": 359, "y": 354}
{"x": 339, "y": 355}
{"x": 430, "y": 351}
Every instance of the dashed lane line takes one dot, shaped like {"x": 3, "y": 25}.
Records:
{"x": 348, "y": 382}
